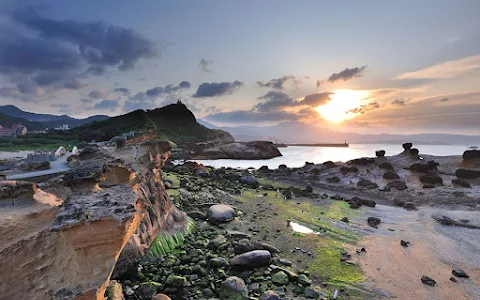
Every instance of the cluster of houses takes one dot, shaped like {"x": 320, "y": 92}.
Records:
{"x": 14, "y": 131}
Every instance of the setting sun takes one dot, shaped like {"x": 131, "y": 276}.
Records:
{"x": 341, "y": 104}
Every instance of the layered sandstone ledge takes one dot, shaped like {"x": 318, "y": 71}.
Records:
{"x": 62, "y": 239}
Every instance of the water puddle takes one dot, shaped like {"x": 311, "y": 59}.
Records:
{"x": 300, "y": 228}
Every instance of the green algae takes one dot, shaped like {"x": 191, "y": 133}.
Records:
{"x": 166, "y": 243}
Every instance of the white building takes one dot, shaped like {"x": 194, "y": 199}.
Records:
{"x": 63, "y": 127}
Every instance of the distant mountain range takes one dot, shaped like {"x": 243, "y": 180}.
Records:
{"x": 34, "y": 121}
{"x": 297, "y": 132}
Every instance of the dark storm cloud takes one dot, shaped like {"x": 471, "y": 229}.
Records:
{"x": 215, "y": 89}
{"x": 106, "y": 104}
{"x": 168, "y": 89}
{"x": 275, "y": 100}
{"x": 124, "y": 91}
{"x": 8, "y": 92}
{"x": 27, "y": 87}
{"x": 347, "y": 74}
{"x": 278, "y": 83}
{"x": 206, "y": 65}
{"x": 96, "y": 94}
{"x": 98, "y": 43}
{"x": 47, "y": 78}
{"x": 399, "y": 102}
{"x": 444, "y": 99}
{"x": 316, "y": 99}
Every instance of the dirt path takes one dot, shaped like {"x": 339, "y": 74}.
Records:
{"x": 434, "y": 251}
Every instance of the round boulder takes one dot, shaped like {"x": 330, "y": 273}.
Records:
{"x": 250, "y": 181}
{"x": 270, "y": 295}
{"x": 390, "y": 175}
{"x": 252, "y": 259}
{"x": 431, "y": 179}
{"x": 220, "y": 213}
{"x": 233, "y": 288}
{"x": 397, "y": 184}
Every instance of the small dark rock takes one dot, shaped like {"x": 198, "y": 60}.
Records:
{"x": 397, "y": 184}
{"x": 345, "y": 219}
{"x": 467, "y": 173}
{"x": 367, "y": 184}
{"x": 404, "y": 243}
{"x": 333, "y": 179}
{"x": 461, "y": 182}
{"x": 390, "y": 175}
{"x": 346, "y": 169}
{"x": 428, "y": 281}
{"x": 386, "y": 166}
{"x": 460, "y": 274}
{"x": 431, "y": 179}
{"x": 373, "y": 221}
{"x": 380, "y": 153}
{"x": 398, "y": 202}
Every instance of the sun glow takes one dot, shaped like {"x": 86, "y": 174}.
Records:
{"x": 342, "y": 103}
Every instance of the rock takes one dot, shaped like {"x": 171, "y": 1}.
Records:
{"x": 409, "y": 206}
{"x": 467, "y": 173}
{"x": 303, "y": 280}
{"x": 270, "y": 295}
{"x": 114, "y": 291}
{"x": 461, "y": 182}
{"x": 346, "y": 169}
{"x": 390, "y": 175}
{"x": 288, "y": 194}
{"x": 196, "y": 214}
{"x": 386, "y": 166}
{"x": 430, "y": 166}
{"x": 167, "y": 183}
{"x": 233, "y": 288}
{"x": 243, "y": 246}
{"x": 369, "y": 203}
{"x": 431, "y": 179}
{"x": 282, "y": 167}
{"x": 337, "y": 197}
{"x": 460, "y": 273}
{"x": 280, "y": 278}
{"x": 404, "y": 243}
{"x": 384, "y": 189}
{"x": 471, "y": 154}
{"x": 311, "y": 293}
{"x": 373, "y": 221}
{"x": 453, "y": 279}
{"x": 285, "y": 262}
{"x": 398, "y": 202}
{"x": 220, "y": 213}
{"x": 345, "y": 219}
{"x": 428, "y": 281}
{"x": 250, "y": 181}
{"x": 329, "y": 164}
{"x": 397, "y": 184}
{"x": 180, "y": 169}
{"x": 428, "y": 186}
{"x": 232, "y": 234}
{"x": 160, "y": 297}
{"x": 367, "y": 184}
{"x": 363, "y": 161}
{"x": 333, "y": 179}
{"x": 263, "y": 169}
{"x": 309, "y": 189}
{"x": 265, "y": 246}
{"x": 251, "y": 259}
{"x": 218, "y": 262}
{"x": 175, "y": 281}
{"x": 148, "y": 289}
{"x": 407, "y": 146}
{"x": 380, "y": 153}
{"x": 414, "y": 152}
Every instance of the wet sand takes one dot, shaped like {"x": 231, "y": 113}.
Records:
{"x": 434, "y": 251}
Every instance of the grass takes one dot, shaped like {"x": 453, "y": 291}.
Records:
{"x": 328, "y": 245}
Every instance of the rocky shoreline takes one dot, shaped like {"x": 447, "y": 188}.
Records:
{"x": 248, "y": 234}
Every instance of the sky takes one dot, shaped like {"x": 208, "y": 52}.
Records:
{"x": 359, "y": 66}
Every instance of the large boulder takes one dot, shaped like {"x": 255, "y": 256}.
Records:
{"x": 431, "y": 179}
{"x": 471, "y": 154}
{"x": 252, "y": 259}
{"x": 220, "y": 213}
{"x": 241, "y": 150}
{"x": 233, "y": 288}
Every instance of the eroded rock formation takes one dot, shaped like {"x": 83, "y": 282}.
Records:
{"x": 66, "y": 247}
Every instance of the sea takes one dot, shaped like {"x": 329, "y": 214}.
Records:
{"x": 296, "y": 156}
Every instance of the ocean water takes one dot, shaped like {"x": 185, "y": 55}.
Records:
{"x": 297, "y": 156}
{"x": 14, "y": 154}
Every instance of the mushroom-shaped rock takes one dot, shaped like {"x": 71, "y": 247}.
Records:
{"x": 380, "y": 153}
{"x": 414, "y": 152}
{"x": 220, "y": 213}
{"x": 407, "y": 146}
{"x": 233, "y": 288}
{"x": 251, "y": 259}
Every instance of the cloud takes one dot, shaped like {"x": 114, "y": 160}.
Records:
{"x": 96, "y": 94}
{"x": 279, "y": 83}
{"x": 364, "y": 108}
{"x": 347, "y": 74}
{"x": 124, "y": 91}
{"x": 316, "y": 99}
{"x": 275, "y": 100}
{"x": 250, "y": 116}
{"x": 100, "y": 44}
{"x": 215, "y": 89}
{"x": 448, "y": 69}
{"x": 107, "y": 104}
{"x": 399, "y": 102}
{"x": 168, "y": 89}
{"x": 319, "y": 83}
{"x": 86, "y": 100}
{"x": 444, "y": 99}
{"x": 206, "y": 65}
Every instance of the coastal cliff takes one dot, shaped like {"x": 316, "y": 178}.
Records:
{"x": 63, "y": 239}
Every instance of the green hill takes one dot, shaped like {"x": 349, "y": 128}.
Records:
{"x": 8, "y": 121}
{"x": 174, "y": 122}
